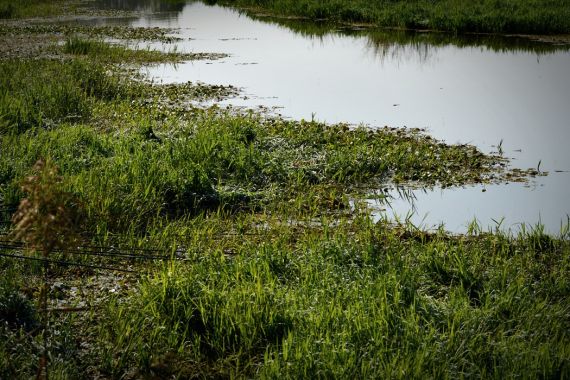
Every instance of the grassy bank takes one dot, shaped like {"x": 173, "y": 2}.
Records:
{"x": 256, "y": 297}
{"x": 484, "y": 16}
{"x": 178, "y": 161}
{"x": 31, "y": 8}
{"x": 215, "y": 243}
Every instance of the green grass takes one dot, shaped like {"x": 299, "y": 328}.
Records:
{"x": 284, "y": 274}
{"x": 357, "y": 300}
{"x": 20, "y": 342}
{"x": 158, "y": 167}
{"x": 10, "y": 9}
{"x": 104, "y": 52}
{"x": 483, "y": 16}
{"x": 44, "y": 93}
{"x": 163, "y": 161}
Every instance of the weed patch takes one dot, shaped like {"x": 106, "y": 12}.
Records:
{"x": 104, "y": 52}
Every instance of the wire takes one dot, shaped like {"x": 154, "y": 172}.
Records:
{"x": 98, "y": 247}
{"x": 122, "y": 254}
{"x": 66, "y": 263}
{"x": 128, "y": 248}
{"x": 117, "y": 253}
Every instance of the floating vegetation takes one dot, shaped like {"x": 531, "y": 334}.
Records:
{"x": 165, "y": 35}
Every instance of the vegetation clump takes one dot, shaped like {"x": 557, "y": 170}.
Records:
{"x": 26, "y": 27}
{"x": 45, "y": 93}
{"x": 104, "y": 52}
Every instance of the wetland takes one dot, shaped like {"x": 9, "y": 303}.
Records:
{"x": 196, "y": 191}
{"x": 480, "y": 90}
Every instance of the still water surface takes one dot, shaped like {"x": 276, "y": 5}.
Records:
{"x": 476, "y": 90}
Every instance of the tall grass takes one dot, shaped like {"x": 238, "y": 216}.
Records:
{"x": 361, "y": 301}
{"x": 29, "y": 8}
{"x": 20, "y": 344}
{"x": 43, "y": 93}
{"x": 488, "y": 16}
{"x": 104, "y": 52}
{"x": 230, "y": 161}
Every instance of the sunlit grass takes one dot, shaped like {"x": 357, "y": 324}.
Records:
{"x": 513, "y": 16}
{"x": 44, "y": 93}
{"x": 105, "y": 52}
{"x": 356, "y": 299}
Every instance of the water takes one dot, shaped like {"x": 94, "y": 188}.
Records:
{"x": 480, "y": 90}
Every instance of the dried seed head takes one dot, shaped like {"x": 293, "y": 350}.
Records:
{"x": 48, "y": 218}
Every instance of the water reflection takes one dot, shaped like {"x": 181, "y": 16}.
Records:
{"x": 399, "y": 43}
{"x": 408, "y": 45}
{"x": 383, "y": 41}
{"x": 494, "y": 43}
{"x": 142, "y": 5}
{"x": 509, "y": 207}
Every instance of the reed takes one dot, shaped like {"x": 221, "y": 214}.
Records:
{"x": 486, "y": 16}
